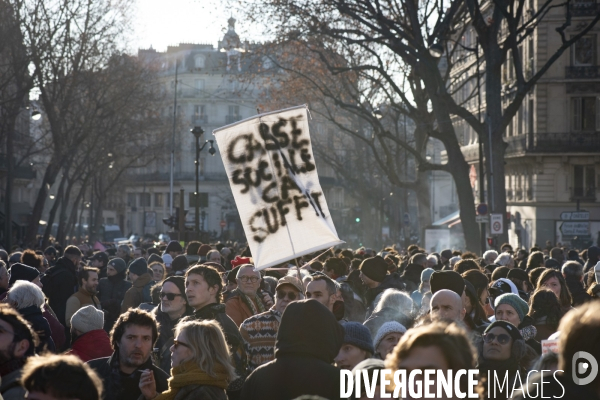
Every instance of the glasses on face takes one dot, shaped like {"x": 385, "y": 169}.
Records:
{"x": 177, "y": 343}
{"x": 169, "y": 296}
{"x": 246, "y": 279}
{"x": 502, "y": 338}
{"x": 282, "y": 295}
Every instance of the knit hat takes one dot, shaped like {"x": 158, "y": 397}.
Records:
{"x": 87, "y": 318}
{"x": 426, "y": 274}
{"x": 447, "y": 254}
{"x": 240, "y": 261}
{"x": 388, "y": 327}
{"x": 180, "y": 263}
{"x": 374, "y": 268}
{"x": 22, "y": 272}
{"x": 50, "y": 250}
{"x": 155, "y": 258}
{"x": 358, "y": 335}
{"x": 118, "y": 264}
{"x": 450, "y": 280}
{"x": 15, "y": 257}
{"x": 139, "y": 266}
{"x": 174, "y": 245}
{"x": 167, "y": 260}
{"x": 203, "y": 250}
{"x": 515, "y": 302}
{"x": 508, "y": 327}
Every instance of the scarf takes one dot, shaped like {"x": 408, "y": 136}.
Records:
{"x": 250, "y": 303}
{"x": 188, "y": 373}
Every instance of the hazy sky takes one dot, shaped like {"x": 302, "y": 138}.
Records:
{"x": 160, "y": 23}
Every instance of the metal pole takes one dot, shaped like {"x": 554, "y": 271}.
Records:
{"x": 8, "y": 196}
{"x": 482, "y": 227}
{"x": 197, "y": 194}
{"x": 491, "y": 161}
{"x": 173, "y": 140}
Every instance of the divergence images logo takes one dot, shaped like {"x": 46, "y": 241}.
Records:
{"x": 584, "y": 363}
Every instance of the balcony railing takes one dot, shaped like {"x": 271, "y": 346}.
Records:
{"x": 570, "y": 142}
{"x": 588, "y": 72}
{"x": 584, "y": 8}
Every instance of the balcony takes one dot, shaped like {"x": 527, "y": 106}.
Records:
{"x": 230, "y": 119}
{"x": 198, "y": 120}
{"x": 587, "y": 72}
{"x": 584, "y": 8}
{"x": 571, "y": 142}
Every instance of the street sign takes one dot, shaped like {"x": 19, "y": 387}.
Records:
{"x": 575, "y": 215}
{"x": 223, "y": 224}
{"x": 575, "y": 228}
{"x": 496, "y": 224}
{"x": 482, "y": 219}
{"x": 482, "y": 209}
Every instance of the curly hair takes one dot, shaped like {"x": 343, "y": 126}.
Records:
{"x": 133, "y": 316}
{"x": 30, "y": 258}
{"x": 543, "y": 303}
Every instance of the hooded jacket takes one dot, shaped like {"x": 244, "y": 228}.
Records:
{"x": 91, "y": 345}
{"x": 60, "y": 282}
{"x": 308, "y": 340}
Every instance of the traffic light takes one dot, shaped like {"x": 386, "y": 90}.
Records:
{"x": 357, "y": 220}
{"x": 173, "y": 220}
{"x": 492, "y": 241}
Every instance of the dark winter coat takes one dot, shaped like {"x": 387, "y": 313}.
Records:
{"x": 593, "y": 258}
{"x": 578, "y": 293}
{"x": 392, "y": 281}
{"x": 119, "y": 386}
{"x": 92, "y": 345}
{"x": 308, "y": 340}
{"x": 111, "y": 291}
{"x": 40, "y": 325}
{"x": 166, "y": 328}
{"x": 60, "y": 282}
{"x": 135, "y": 295}
{"x": 239, "y": 358}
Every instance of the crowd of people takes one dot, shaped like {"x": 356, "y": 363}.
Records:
{"x": 199, "y": 321}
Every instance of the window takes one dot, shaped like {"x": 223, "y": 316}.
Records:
{"x": 583, "y": 52}
{"x": 202, "y": 200}
{"x": 584, "y": 178}
{"x": 199, "y": 61}
{"x": 199, "y": 84}
{"x": 131, "y": 200}
{"x": 199, "y": 111}
{"x": 145, "y": 200}
{"x": 158, "y": 200}
{"x": 585, "y": 113}
{"x": 530, "y": 115}
{"x": 234, "y": 110}
{"x": 175, "y": 199}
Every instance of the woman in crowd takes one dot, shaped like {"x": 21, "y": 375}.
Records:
{"x": 505, "y": 260}
{"x": 201, "y": 366}
{"x": 159, "y": 272}
{"x": 554, "y": 280}
{"x": 387, "y": 338}
{"x": 546, "y": 313}
{"x": 357, "y": 346}
{"x": 512, "y": 308}
{"x": 480, "y": 282}
{"x": 535, "y": 260}
{"x": 475, "y": 317}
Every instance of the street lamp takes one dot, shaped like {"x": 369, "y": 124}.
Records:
{"x": 198, "y": 132}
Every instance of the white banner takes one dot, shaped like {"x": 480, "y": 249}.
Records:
{"x": 271, "y": 169}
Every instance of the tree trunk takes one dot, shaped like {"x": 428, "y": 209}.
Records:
{"x": 423, "y": 204}
{"x": 38, "y": 209}
{"x": 57, "y": 200}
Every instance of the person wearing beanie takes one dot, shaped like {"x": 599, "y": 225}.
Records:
{"x": 112, "y": 291}
{"x": 357, "y": 346}
{"x": 387, "y": 338}
{"x": 450, "y": 280}
{"x": 191, "y": 252}
{"x": 167, "y": 260}
{"x": 142, "y": 281}
{"x": 90, "y": 340}
{"x": 373, "y": 273}
{"x": 445, "y": 257}
{"x": 60, "y": 282}
{"x": 179, "y": 265}
{"x": 512, "y": 308}
{"x": 22, "y": 272}
{"x": 100, "y": 260}
{"x": 174, "y": 248}
{"x": 173, "y": 308}
{"x": 155, "y": 258}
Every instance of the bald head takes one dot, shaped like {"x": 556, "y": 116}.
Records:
{"x": 446, "y": 305}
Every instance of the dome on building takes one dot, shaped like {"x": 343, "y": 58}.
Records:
{"x": 231, "y": 40}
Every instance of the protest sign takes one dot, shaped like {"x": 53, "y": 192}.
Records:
{"x": 549, "y": 346}
{"x": 271, "y": 169}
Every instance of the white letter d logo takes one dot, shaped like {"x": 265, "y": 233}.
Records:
{"x": 581, "y": 368}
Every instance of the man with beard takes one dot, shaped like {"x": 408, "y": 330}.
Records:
{"x": 17, "y": 342}
{"x": 112, "y": 291}
{"x": 132, "y": 339}
{"x": 86, "y": 295}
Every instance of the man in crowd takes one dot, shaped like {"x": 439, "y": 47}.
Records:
{"x": 139, "y": 252}
{"x": 60, "y": 281}
{"x": 17, "y": 343}
{"x": 334, "y": 268}
{"x": 191, "y": 252}
{"x": 141, "y": 282}
{"x": 90, "y": 340}
{"x": 174, "y": 249}
{"x": 124, "y": 252}
{"x": 112, "y": 291}
{"x": 244, "y": 301}
{"x": 557, "y": 257}
{"x": 260, "y": 331}
{"x": 50, "y": 254}
{"x": 86, "y": 295}
{"x": 213, "y": 256}
{"x": 322, "y": 289}
{"x": 100, "y": 260}
{"x": 132, "y": 339}
{"x": 203, "y": 288}
{"x": 446, "y": 305}
{"x": 573, "y": 274}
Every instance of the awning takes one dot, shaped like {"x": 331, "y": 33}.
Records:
{"x": 449, "y": 220}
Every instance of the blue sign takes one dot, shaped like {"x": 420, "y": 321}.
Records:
{"x": 482, "y": 209}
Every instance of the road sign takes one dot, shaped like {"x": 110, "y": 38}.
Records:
{"x": 482, "y": 209}
{"x": 482, "y": 219}
{"x": 575, "y": 228}
{"x": 223, "y": 224}
{"x": 496, "y": 224}
{"x": 575, "y": 216}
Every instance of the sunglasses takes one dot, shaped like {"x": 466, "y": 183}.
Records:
{"x": 169, "y": 296}
{"x": 177, "y": 343}
{"x": 251, "y": 279}
{"x": 282, "y": 295}
{"x": 502, "y": 338}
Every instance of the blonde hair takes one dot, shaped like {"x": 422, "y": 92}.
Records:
{"x": 207, "y": 342}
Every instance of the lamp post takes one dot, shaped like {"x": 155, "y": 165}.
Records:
{"x": 198, "y": 132}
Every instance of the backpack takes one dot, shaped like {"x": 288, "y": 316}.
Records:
{"x": 146, "y": 294}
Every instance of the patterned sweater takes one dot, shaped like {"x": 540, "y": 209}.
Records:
{"x": 259, "y": 333}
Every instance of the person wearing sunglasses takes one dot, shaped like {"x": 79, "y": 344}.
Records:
{"x": 247, "y": 300}
{"x": 504, "y": 352}
{"x": 260, "y": 331}
{"x": 173, "y": 307}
